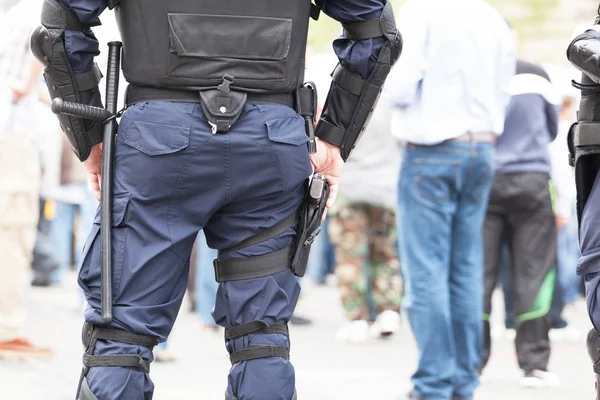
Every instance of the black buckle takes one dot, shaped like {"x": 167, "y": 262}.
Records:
{"x": 224, "y": 86}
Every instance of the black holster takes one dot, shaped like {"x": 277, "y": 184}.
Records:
{"x": 309, "y": 221}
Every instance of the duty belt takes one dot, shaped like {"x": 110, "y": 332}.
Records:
{"x": 302, "y": 100}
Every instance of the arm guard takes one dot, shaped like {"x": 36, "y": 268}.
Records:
{"x": 352, "y": 99}
{"x": 584, "y": 53}
{"x": 48, "y": 47}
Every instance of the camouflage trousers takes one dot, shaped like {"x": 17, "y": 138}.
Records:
{"x": 367, "y": 265}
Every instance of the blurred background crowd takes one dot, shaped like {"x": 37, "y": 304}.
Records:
{"x": 528, "y": 229}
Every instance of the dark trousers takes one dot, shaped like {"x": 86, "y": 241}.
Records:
{"x": 172, "y": 178}
{"x": 520, "y": 204}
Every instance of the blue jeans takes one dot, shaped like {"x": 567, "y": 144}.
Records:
{"x": 206, "y": 285}
{"x": 568, "y": 256}
{"x": 442, "y": 198}
{"x": 321, "y": 260}
{"x": 61, "y": 231}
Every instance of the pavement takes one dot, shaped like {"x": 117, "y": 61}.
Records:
{"x": 325, "y": 369}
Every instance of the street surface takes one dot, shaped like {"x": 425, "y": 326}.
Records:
{"x": 326, "y": 369}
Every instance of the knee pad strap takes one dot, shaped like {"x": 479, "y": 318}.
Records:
{"x": 257, "y": 351}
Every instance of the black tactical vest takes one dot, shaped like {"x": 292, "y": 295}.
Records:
{"x": 194, "y": 44}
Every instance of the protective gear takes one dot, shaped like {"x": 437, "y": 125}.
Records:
{"x": 246, "y": 46}
{"x": 91, "y": 334}
{"x": 48, "y": 47}
{"x": 352, "y": 99}
{"x": 308, "y": 226}
{"x": 584, "y": 142}
{"x": 584, "y": 54}
{"x": 593, "y": 347}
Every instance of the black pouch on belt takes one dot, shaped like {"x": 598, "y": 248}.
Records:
{"x": 309, "y": 223}
{"x": 222, "y": 107}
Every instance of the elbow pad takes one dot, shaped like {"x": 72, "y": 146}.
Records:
{"x": 48, "y": 47}
{"x": 351, "y": 99}
{"x": 584, "y": 53}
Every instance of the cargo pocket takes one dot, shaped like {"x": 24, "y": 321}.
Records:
{"x": 260, "y": 46}
{"x": 91, "y": 261}
{"x": 289, "y": 138}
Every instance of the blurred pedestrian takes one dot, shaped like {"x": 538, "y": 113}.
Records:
{"x": 19, "y": 178}
{"x": 362, "y": 229}
{"x": 450, "y": 89}
{"x": 520, "y": 201}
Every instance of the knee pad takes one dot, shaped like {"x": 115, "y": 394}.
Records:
{"x": 91, "y": 334}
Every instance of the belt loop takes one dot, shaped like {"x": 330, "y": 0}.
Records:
{"x": 473, "y": 143}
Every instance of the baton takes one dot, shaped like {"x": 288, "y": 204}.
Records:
{"x": 107, "y": 115}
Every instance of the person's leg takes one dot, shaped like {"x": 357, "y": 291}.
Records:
{"x": 506, "y": 281}
{"x": 493, "y": 231}
{"x": 268, "y": 169}
{"x": 568, "y": 255}
{"x": 156, "y": 214}
{"x": 44, "y": 260}
{"x": 348, "y": 228}
{"x": 426, "y": 193}
{"x": 385, "y": 282}
{"x": 467, "y": 267}
{"x": 61, "y": 233}
{"x": 534, "y": 261}
{"x": 206, "y": 286}
{"x": 316, "y": 270}
{"x": 19, "y": 202}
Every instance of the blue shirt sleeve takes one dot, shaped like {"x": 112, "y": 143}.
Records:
{"x": 358, "y": 56}
{"x": 82, "y": 46}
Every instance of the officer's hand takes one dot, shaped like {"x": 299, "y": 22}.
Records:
{"x": 328, "y": 162}
{"x": 93, "y": 166}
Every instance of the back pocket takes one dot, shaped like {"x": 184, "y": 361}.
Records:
{"x": 152, "y": 138}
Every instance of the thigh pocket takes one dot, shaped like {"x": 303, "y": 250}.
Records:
{"x": 289, "y": 138}
{"x": 435, "y": 180}
{"x": 91, "y": 261}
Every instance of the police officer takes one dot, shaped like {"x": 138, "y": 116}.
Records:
{"x": 584, "y": 145}
{"x": 214, "y": 138}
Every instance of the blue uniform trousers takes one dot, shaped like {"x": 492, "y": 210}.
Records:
{"x": 173, "y": 177}
{"x": 589, "y": 263}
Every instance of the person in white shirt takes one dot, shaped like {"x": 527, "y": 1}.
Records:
{"x": 449, "y": 90}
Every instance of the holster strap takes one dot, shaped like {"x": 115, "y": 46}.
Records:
{"x": 259, "y": 351}
{"x": 256, "y": 327}
{"x": 56, "y": 17}
{"x": 362, "y": 30}
{"x": 252, "y": 267}
{"x": 347, "y": 80}
{"x": 117, "y": 360}
{"x": 89, "y": 80}
{"x": 264, "y": 234}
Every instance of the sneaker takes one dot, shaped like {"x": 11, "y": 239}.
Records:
{"x": 565, "y": 335}
{"x": 354, "y": 332}
{"x": 540, "y": 379}
{"x": 22, "y": 348}
{"x": 386, "y": 324}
